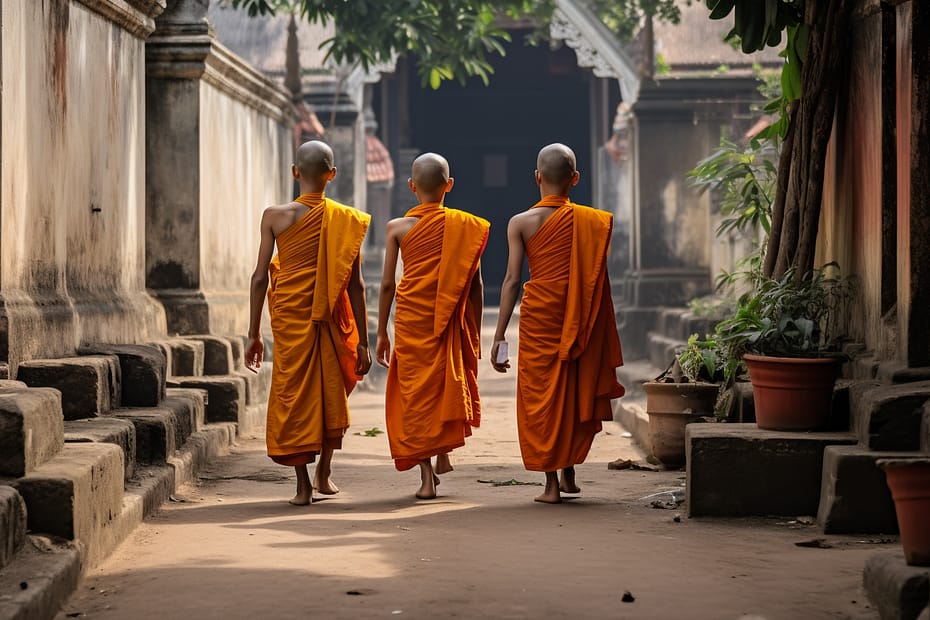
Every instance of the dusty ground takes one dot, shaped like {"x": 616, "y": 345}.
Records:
{"x": 233, "y": 547}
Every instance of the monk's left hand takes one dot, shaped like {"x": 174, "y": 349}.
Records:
{"x": 363, "y": 365}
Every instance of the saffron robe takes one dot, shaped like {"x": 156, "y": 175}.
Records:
{"x": 569, "y": 347}
{"x": 431, "y": 400}
{"x": 315, "y": 336}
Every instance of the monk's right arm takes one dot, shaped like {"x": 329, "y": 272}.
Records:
{"x": 386, "y": 296}
{"x": 510, "y": 288}
{"x": 257, "y": 291}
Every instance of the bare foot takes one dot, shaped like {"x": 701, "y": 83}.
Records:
{"x": 443, "y": 464}
{"x": 325, "y": 487}
{"x": 301, "y": 499}
{"x": 568, "y": 481}
{"x": 551, "y": 494}
{"x": 427, "y": 481}
{"x": 322, "y": 480}
{"x": 304, "y": 488}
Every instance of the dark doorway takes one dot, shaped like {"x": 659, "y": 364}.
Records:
{"x": 491, "y": 135}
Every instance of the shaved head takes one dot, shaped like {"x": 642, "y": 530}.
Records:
{"x": 314, "y": 159}
{"x": 430, "y": 172}
{"x": 556, "y": 164}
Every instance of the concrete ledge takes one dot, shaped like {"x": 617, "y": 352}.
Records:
{"x": 217, "y": 354}
{"x": 12, "y": 524}
{"x": 632, "y": 416}
{"x": 51, "y": 571}
{"x": 225, "y": 395}
{"x": 106, "y": 430}
{"x": 31, "y": 429}
{"x": 77, "y": 493}
{"x": 143, "y": 369}
{"x": 888, "y": 417}
{"x": 854, "y": 497}
{"x": 741, "y": 470}
{"x": 898, "y": 591}
{"x": 156, "y": 433}
{"x": 89, "y": 384}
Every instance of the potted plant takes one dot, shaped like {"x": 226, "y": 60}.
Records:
{"x": 788, "y": 331}
{"x": 684, "y": 393}
{"x": 909, "y": 481}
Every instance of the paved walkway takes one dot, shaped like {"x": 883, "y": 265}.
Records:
{"x": 232, "y": 547}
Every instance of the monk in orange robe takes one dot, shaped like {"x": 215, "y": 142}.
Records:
{"x": 569, "y": 348}
{"x": 316, "y": 301}
{"x": 431, "y": 399}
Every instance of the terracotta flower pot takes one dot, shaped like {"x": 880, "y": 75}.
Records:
{"x": 671, "y": 407}
{"x": 792, "y": 394}
{"x": 909, "y": 481}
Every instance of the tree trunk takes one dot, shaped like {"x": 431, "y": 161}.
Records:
{"x": 796, "y": 211}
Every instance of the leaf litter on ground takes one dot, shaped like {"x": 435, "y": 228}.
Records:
{"x": 510, "y": 483}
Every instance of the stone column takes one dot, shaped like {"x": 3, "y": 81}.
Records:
{"x": 218, "y": 149}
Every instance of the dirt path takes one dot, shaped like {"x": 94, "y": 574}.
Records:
{"x": 233, "y": 548}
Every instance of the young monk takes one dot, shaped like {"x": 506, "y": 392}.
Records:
{"x": 569, "y": 347}
{"x": 318, "y": 319}
{"x": 432, "y": 391}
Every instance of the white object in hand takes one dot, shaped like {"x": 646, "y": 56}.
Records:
{"x": 502, "y": 352}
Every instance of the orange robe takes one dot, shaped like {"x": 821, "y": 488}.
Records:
{"x": 431, "y": 400}
{"x": 569, "y": 346}
{"x": 315, "y": 336}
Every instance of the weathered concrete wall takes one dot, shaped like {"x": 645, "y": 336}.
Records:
{"x": 218, "y": 152}
{"x": 72, "y": 153}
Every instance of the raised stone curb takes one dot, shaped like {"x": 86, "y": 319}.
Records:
{"x": 217, "y": 354}
{"x": 898, "y": 591}
{"x": 854, "y": 497}
{"x": 89, "y": 384}
{"x": 156, "y": 433}
{"x": 185, "y": 356}
{"x": 196, "y": 401}
{"x": 742, "y": 470}
{"x": 143, "y": 369}
{"x": 51, "y": 571}
{"x": 632, "y": 416}
{"x": 106, "y": 430}
{"x": 31, "y": 429}
{"x": 225, "y": 395}
{"x": 77, "y": 493}
{"x": 889, "y": 417}
{"x": 12, "y": 524}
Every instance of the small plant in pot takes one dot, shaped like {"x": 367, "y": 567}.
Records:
{"x": 686, "y": 392}
{"x": 789, "y": 333}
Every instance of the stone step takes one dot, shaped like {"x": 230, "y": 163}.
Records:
{"x": 7, "y": 385}
{"x": 12, "y": 524}
{"x": 662, "y": 350}
{"x": 89, "y": 384}
{"x": 195, "y": 403}
{"x": 854, "y": 497}
{"x": 742, "y": 470}
{"x": 143, "y": 369}
{"x": 31, "y": 429}
{"x": 51, "y": 571}
{"x": 185, "y": 357}
{"x": 76, "y": 494}
{"x": 106, "y": 429}
{"x": 156, "y": 430}
{"x": 896, "y": 590}
{"x": 888, "y": 417}
{"x": 225, "y": 396}
{"x": 217, "y": 354}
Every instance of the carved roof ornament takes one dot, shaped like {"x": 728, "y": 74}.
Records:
{"x": 595, "y": 46}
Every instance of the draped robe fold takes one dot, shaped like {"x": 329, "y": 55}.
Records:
{"x": 315, "y": 336}
{"x": 569, "y": 347}
{"x": 431, "y": 400}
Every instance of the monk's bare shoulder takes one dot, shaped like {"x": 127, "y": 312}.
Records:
{"x": 528, "y": 222}
{"x": 400, "y": 226}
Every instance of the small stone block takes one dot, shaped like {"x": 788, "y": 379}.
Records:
{"x": 742, "y": 470}
{"x": 156, "y": 433}
{"x": 106, "y": 430}
{"x": 196, "y": 400}
{"x": 31, "y": 429}
{"x": 854, "y": 497}
{"x": 889, "y": 417}
{"x": 8, "y": 385}
{"x": 143, "y": 370}
{"x": 88, "y": 384}
{"x": 897, "y": 591}
{"x": 186, "y": 357}
{"x": 225, "y": 395}
{"x": 217, "y": 355}
{"x": 12, "y": 524}
{"x": 75, "y": 494}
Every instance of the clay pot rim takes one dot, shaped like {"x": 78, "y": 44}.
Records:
{"x": 903, "y": 461}
{"x": 683, "y": 384}
{"x": 756, "y": 357}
